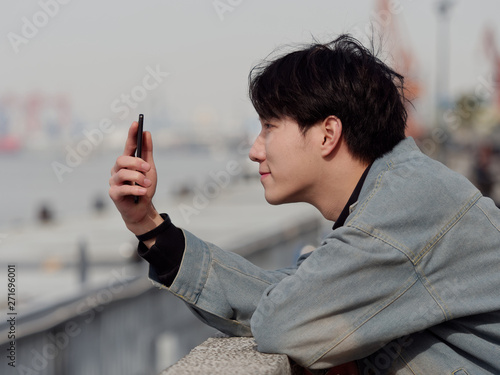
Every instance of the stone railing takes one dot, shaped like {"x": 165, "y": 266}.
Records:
{"x": 232, "y": 356}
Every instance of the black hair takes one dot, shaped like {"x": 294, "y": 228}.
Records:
{"x": 340, "y": 78}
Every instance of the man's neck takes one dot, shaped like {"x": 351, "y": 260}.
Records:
{"x": 352, "y": 199}
{"x": 337, "y": 185}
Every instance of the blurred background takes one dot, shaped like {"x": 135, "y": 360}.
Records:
{"x": 76, "y": 74}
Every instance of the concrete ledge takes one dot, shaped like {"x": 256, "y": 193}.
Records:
{"x": 230, "y": 356}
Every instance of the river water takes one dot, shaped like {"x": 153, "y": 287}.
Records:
{"x": 29, "y": 180}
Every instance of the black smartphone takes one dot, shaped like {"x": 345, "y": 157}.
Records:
{"x": 138, "y": 151}
{"x": 139, "y": 136}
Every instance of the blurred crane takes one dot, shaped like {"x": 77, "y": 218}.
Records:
{"x": 493, "y": 54}
{"x": 404, "y": 62}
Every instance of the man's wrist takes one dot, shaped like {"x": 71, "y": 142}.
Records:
{"x": 149, "y": 238}
{"x": 150, "y": 222}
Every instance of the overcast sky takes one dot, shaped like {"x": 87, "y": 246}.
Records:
{"x": 97, "y": 51}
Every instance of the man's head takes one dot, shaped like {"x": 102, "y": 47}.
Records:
{"x": 343, "y": 79}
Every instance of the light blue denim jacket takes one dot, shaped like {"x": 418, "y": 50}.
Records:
{"x": 409, "y": 285}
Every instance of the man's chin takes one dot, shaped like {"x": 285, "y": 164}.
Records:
{"x": 273, "y": 200}
{"x": 277, "y": 200}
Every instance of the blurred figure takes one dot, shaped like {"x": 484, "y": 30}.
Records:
{"x": 45, "y": 214}
{"x": 483, "y": 176}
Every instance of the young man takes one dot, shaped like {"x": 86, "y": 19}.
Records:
{"x": 408, "y": 280}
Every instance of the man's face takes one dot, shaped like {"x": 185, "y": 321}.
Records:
{"x": 288, "y": 160}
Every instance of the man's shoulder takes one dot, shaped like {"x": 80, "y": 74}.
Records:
{"x": 406, "y": 186}
{"x": 406, "y": 171}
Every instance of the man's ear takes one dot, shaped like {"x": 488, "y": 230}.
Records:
{"x": 332, "y": 132}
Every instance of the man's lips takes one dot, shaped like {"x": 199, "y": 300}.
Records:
{"x": 264, "y": 174}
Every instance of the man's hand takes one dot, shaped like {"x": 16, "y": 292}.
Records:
{"x": 132, "y": 176}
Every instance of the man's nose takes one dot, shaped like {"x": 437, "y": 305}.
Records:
{"x": 257, "y": 152}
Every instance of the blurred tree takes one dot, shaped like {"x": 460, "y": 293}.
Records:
{"x": 470, "y": 110}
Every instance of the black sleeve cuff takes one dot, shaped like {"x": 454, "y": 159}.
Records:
{"x": 165, "y": 255}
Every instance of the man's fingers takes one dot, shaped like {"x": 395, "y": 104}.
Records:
{"x": 129, "y": 177}
{"x": 128, "y": 182}
{"x": 117, "y": 192}
{"x": 131, "y": 144}
{"x": 130, "y": 162}
{"x": 147, "y": 149}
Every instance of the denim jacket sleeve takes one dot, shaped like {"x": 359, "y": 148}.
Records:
{"x": 222, "y": 288}
{"x": 352, "y": 301}
{"x": 364, "y": 296}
